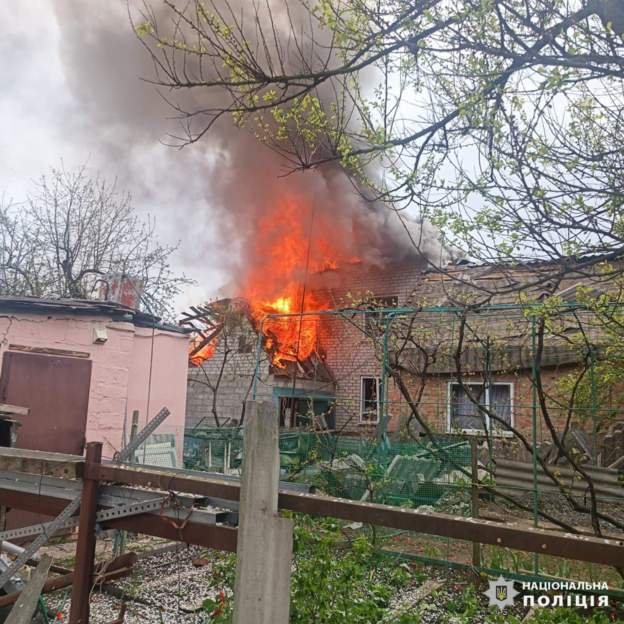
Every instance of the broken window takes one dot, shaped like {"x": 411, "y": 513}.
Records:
{"x": 465, "y": 415}
{"x": 369, "y": 401}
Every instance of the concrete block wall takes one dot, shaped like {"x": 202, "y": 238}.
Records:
{"x": 225, "y": 380}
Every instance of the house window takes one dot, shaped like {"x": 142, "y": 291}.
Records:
{"x": 244, "y": 344}
{"x": 369, "y": 400}
{"x": 464, "y": 415}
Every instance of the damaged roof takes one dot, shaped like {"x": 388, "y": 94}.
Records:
{"x": 467, "y": 283}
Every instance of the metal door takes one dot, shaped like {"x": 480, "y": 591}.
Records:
{"x": 56, "y": 390}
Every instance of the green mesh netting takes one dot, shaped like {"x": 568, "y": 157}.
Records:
{"x": 401, "y": 473}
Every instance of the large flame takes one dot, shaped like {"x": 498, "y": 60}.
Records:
{"x": 292, "y": 242}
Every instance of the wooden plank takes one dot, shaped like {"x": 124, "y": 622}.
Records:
{"x": 265, "y": 540}
{"x": 41, "y": 463}
{"x": 14, "y": 410}
{"x": 49, "y": 351}
{"x": 26, "y": 604}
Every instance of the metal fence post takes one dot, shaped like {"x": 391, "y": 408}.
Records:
{"x": 85, "y": 547}
{"x": 474, "y": 490}
{"x": 382, "y": 425}
{"x": 534, "y": 373}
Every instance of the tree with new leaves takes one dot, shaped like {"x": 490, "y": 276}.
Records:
{"x": 74, "y": 234}
{"x": 498, "y": 120}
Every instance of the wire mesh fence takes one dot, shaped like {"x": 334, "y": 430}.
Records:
{"x": 391, "y": 405}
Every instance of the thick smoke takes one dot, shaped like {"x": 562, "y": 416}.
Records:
{"x": 219, "y": 188}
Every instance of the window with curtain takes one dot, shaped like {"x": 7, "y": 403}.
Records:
{"x": 466, "y": 415}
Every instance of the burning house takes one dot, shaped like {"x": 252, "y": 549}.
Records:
{"x": 335, "y": 380}
{"x": 320, "y": 369}
{"x": 306, "y": 244}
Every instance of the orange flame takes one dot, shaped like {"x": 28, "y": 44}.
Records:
{"x": 290, "y": 244}
{"x": 206, "y": 352}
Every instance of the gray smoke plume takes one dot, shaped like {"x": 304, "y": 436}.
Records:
{"x": 218, "y": 189}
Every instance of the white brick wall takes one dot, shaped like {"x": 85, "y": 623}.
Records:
{"x": 350, "y": 354}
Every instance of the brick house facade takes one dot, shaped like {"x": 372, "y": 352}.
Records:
{"x": 344, "y": 382}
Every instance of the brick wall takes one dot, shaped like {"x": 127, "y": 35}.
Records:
{"x": 351, "y": 354}
{"x": 225, "y": 380}
{"x": 434, "y": 405}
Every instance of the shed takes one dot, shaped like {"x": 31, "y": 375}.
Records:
{"x": 83, "y": 366}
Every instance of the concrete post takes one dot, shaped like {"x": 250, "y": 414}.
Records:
{"x": 264, "y": 550}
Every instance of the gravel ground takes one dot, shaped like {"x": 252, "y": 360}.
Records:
{"x": 446, "y": 597}
{"x": 165, "y": 588}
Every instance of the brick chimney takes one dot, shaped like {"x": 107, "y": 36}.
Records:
{"x": 122, "y": 289}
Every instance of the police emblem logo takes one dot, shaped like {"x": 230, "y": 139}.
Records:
{"x": 501, "y": 593}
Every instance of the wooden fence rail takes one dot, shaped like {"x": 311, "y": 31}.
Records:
{"x": 97, "y": 477}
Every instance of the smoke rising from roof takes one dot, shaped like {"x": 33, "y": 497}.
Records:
{"x": 223, "y": 184}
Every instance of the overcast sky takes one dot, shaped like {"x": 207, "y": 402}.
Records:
{"x": 72, "y": 92}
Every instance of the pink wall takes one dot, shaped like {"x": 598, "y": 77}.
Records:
{"x": 121, "y": 369}
{"x": 167, "y": 387}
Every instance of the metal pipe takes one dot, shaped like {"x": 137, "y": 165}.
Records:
{"x": 14, "y": 549}
{"x": 383, "y": 390}
{"x": 413, "y": 310}
{"x": 254, "y": 382}
{"x": 581, "y": 548}
{"x": 534, "y": 373}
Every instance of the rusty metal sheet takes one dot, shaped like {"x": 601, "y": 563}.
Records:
{"x": 56, "y": 391}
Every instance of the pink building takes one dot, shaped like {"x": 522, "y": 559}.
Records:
{"x": 82, "y": 367}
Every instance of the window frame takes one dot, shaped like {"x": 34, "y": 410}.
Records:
{"x": 361, "y": 420}
{"x": 480, "y": 382}
{"x": 245, "y": 344}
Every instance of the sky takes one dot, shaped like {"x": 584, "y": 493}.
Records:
{"x": 70, "y": 97}
{"x": 76, "y": 91}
